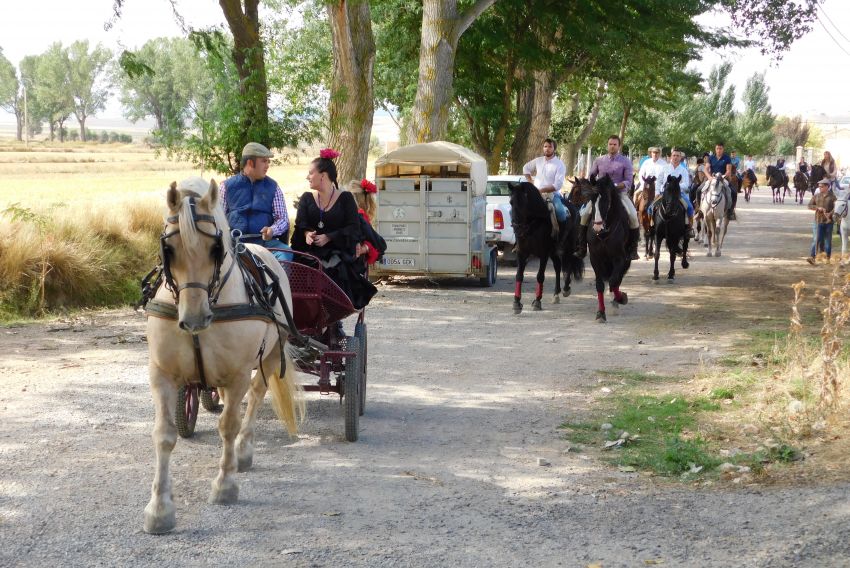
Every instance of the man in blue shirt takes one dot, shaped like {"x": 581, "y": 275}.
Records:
{"x": 253, "y": 202}
{"x": 721, "y": 163}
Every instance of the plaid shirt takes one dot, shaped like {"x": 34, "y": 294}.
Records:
{"x": 280, "y": 215}
{"x": 824, "y": 200}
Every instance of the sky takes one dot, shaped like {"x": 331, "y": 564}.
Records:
{"x": 810, "y": 80}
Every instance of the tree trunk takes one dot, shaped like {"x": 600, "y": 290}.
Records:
{"x": 52, "y": 130}
{"x": 570, "y": 154}
{"x": 534, "y": 108}
{"x": 250, "y": 64}
{"x": 82, "y": 122}
{"x": 19, "y": 124}
{"x": 627, "y": 109}
{"x": 351, "y": 107}
{"x": 442, "y": 27}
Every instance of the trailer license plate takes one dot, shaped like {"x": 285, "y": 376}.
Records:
{"x": 399, "y": 262}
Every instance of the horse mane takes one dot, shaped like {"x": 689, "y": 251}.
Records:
{"x": 197, "y": 188}
{"x": 606, "y": 186}
{"x": 673, "y": 184}
{"x": 535, "y": 205}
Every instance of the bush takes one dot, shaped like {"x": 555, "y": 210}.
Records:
{"x": 104, "y": 137}
{"x": 73, "y": 135}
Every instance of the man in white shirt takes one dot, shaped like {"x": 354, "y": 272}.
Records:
{"x": 549, "y": 173}
{"x": 653, "y": 167}
{"x": 750, "y": 164}
{"x": 677, "y": 168}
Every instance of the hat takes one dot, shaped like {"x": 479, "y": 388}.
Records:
{"x": 654, "y": 149}
{"x": 256, "y": 150}
{"x": 824, "y": 181}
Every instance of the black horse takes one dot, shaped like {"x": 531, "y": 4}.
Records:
{"x": 668, "y": 216}
{"x": 818, "y": 173}
{"x": 607, "y": 237}
{"x": 777, "y": 180}
{"x": 532, "y": 224}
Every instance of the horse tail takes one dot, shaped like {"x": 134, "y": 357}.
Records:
{"x": 287, "y": 394}
{"x": 575, "y": 266}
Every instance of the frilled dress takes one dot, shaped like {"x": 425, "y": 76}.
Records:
{"x": 341, "y": 223}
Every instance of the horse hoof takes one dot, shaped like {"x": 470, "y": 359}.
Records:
{"x": 600, "y": 317}
{"x": 244, "y": 464}
{"x": 566, "y": 293}
{"x": 709, "y": 254}
{"x": 536, "y": 305}
{"x": 669, "y": 278}
{"x": 655, "y": 277}
{"x": 517, "y": 306}
{"x": 556, "y": 299}
{"x": 717, "y": 253}
{"x": 624, "y": 299}
{"x": 685, "y": 263}
{"x": 161, "y": 523}
{"x": 224, "y": 495}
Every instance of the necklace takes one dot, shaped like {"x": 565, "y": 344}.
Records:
{"x": 323, "y": 209}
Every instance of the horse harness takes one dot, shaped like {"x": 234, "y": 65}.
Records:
{"x": 261, "y": 284}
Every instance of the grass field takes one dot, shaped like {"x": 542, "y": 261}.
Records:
{"x": 76, "y": 173}
{"x": 80, "y": 221}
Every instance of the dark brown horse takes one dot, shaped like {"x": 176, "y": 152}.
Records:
{"x": 778, "y": 182}
{"x": 642, "y": 203}
{"x": 801, "y": 184}
{"x": 748, "y": 183}
{"x": 669, "y": 221}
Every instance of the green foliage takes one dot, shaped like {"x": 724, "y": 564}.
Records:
{"x": 784, "y": 146}
{"x": 9, "y": 84}
{"x": 87, "y": 78}
{"x": 815, "y": 139}
{"x": 753, "y": 126}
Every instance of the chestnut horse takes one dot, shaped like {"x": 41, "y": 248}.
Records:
{"x": 642, "y": 203}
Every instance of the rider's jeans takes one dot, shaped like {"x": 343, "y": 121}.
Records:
{"x": 560, "y": 209}
{"x": 823, "y": 235}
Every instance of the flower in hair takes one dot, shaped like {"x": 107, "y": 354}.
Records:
{"x": 368, "y": 186}
{"x": 328, "y": 154}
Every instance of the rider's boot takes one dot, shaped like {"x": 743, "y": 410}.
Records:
{"x": 634, "y": 237}
{"x": 691, "y": 234}
{"x": 581, "y": 243}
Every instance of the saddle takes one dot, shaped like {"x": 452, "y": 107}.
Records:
{"x": 553, "y": 217}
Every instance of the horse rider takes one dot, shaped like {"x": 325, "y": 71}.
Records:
{"x": 677, "y": 168}
{"x": 750, "y": 164}
{"x": 653, "y": 167}
{"x": 619, "y": 168}
{"x": 253, "y": 202}
{"x": 736, "y": 162}
{"x": 549, "y": 174}
{"x": 720, "y": 163}
{"x": 803, "y": 167}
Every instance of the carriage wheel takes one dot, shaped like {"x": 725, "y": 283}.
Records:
{"x": 210, "y": 400}
{"x": 362, "y": 356}
{"x": 351, "y": 385}
{"x": 186, "y": 414}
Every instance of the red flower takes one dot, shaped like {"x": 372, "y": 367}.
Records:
{"x": 368, "y": 186}
{"x": 328, "y": 153}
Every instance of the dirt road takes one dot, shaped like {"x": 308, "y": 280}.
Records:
{"x": 464, "y": 397}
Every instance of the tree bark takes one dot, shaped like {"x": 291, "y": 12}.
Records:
{"x": 442, "y": 27}
{"x": 19, "y": 124}
{"x": 351, "y": 106}
{"x": 250, "y": 64}
{"x": 82, "y": 122}
{"x": 570, "y": 153}
{"x": 534, "y": 107}
{"x": 627, "y": 109}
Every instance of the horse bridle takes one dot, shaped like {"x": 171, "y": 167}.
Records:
{"x": 213, "y": 287}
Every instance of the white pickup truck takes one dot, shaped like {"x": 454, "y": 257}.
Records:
{"x": 499, "y": 231}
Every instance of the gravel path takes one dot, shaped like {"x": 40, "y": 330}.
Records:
{"x": 464, "y": 397}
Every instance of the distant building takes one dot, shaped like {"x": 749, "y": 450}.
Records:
{"x": 836, "y": 133}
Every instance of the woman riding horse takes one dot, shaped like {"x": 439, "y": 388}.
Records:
{"x": 669, "y": 220}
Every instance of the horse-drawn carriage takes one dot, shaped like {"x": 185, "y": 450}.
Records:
{"x": 318, "y": 304}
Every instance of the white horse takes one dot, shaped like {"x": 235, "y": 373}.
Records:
{"x": 198, "y": 266}
{"x": 713, "y": 209}
{"x": 840, "y": 216}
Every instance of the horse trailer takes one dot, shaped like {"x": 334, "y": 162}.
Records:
{"x": 431, "y": 212}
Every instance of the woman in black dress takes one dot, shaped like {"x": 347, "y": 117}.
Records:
{"x": 328, "y": 227}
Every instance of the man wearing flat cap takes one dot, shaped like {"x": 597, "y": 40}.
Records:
{"x": 253, "y": 202}
{"x": 653, "y": 167}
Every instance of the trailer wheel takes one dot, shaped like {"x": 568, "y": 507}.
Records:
{"x": 490, "y": 280}
{"x": 360, "y": 333}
